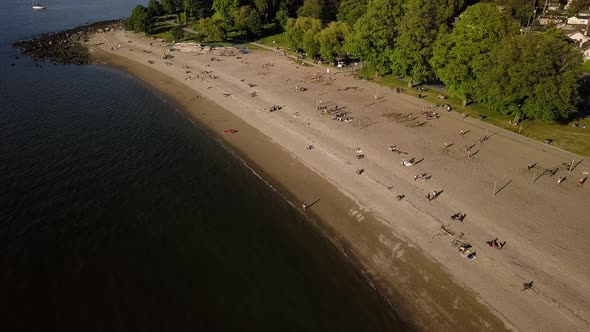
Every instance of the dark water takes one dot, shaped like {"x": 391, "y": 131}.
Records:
{"x": 117, "y": 214}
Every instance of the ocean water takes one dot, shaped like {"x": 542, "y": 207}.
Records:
{"x": 118, "y": 214}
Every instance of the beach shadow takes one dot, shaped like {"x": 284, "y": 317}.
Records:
{"x": 528, "y": 126}
{"x": 471, "y": 147}
{"x": 421, "y": 124}
{"x": 493, "y": 134}
{"x": 576, "y": 165}
{"x": 465, "y": 132}
{"x": 418, "y": 161}
{"x": 504, "y": 186}
{"x": 474, "y": 153}
{"x": 313, "y": 203}
{"x": 449, "y": 145}
{"x": 438, "y": 193}
{"x": 540, "y": 175}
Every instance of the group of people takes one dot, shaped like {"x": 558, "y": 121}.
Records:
{"x": 423, "y": 176}
{"x": 465, "y": 251}
{"x": 300, "y": 88}
{"x": 342, "y": 117}
{"x": 276, "y": 108}
{"x": 458, "y": 216}
{"x": 495, "y": 244}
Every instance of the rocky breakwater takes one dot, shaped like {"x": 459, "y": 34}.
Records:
{"x": 65, "y": 46}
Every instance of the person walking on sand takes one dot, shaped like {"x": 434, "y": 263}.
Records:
{"x": 462, "y": 132}
{"x": 580, "y": 183}
{"x": 560, "y": 180}
{"x": 304, "y": 206}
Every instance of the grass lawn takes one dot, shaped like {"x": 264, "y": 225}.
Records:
{"x": 586, "y": 67}
{"x": 280, "y": 40}
{"x": 162, "y": 30}
{"x": 565, "y": 136}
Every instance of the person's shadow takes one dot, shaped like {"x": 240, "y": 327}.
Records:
{"x": 313, "y": 203}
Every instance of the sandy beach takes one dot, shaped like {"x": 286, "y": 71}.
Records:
{"x": 507, "y": 185}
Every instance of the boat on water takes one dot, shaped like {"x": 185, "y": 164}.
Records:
{"x": 38, "y": 4}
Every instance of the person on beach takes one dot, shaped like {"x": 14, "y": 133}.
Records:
{"x": 304, "y": 206}
{"x": 462, "y": 132}
{"x": 581, "y": 182}
{"x": 531, "y": 165}
{"x": 560, "y": 179}
{"x": 528, "y": 285}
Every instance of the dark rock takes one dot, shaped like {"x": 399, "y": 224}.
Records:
{"x": 55, "y": 47}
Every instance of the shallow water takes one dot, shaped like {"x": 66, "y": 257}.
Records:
{"x": 116, "y": 213}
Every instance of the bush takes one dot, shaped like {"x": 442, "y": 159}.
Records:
{"x": 177, "y": 33}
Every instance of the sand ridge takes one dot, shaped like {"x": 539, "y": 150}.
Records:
{"x": 545, "y": 224}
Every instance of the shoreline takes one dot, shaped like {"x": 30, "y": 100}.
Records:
{"x": 398, "y": 303}
{"x": 403, "y": 246}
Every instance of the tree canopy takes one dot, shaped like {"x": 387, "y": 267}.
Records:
{"x": 459, "y": 58}
{"x": 350, "y": 11}
{"x": 139, "y": 21}
{"x": 214, "y": 28}
{"x": 533, "y": 74}
{"x": 303, "y": 33}
{"x": 418, "y": 30}
{"x": 374, "y": 34}
{"x": 225, "y": 8}
{"x": 332, "y": 38}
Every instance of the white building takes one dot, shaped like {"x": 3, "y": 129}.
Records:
{"x": 577, "y": 20}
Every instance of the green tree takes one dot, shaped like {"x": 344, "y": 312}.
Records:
{"x": 214, "y": 28}
{"x": 241, "y": 17}
{"x": 374, "y": 34}
{"x": 351, "y": 10}
{"x": 577, "y": 5}
{"x": 459, "y": 58}
{"x": 188, "y": 6}
{"x": 225, "y": 8}
{"x": 303, "y": 33}
{"x": 310, "y": 8}
{"x": 282, "y": 15}
{"x": 418, "y": 30}
{"x": 139, "y": 21}
{"x": 177, "y": 33}
{"x": 332, "y": 39}
{"x": 263, "y": 7}
{"x": 154, "y": 8}
{"x": 171, "y": 6}
{"x": 254, "y": 23}
{"x": 324, "y": 10}
{"x": 533, "y": 74}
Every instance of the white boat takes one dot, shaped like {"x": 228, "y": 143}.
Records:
{"x": 38, "y": 4}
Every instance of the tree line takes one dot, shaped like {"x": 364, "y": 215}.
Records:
{"x": 477, "y": 49}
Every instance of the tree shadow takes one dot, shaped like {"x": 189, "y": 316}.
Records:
{"x": 504, "y": 186}
{"x": 578, "y": 163}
